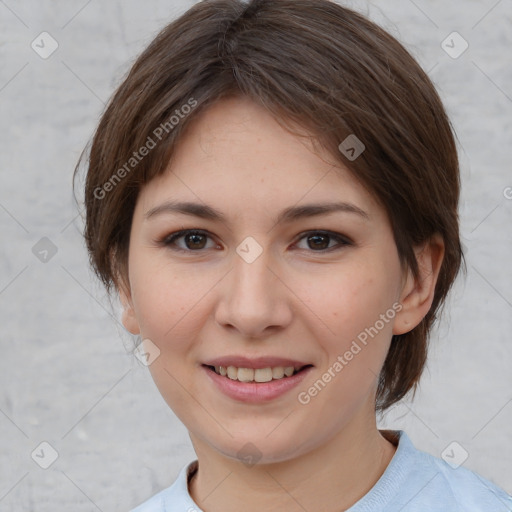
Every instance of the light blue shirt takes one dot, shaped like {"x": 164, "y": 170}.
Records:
{"x": 414, "y": 481}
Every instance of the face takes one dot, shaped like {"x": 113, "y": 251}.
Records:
{"x": 255, "y": 277}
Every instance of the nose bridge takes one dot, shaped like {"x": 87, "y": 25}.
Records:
{"x": 252, "y": 279}
{"x": 252, "y": 299}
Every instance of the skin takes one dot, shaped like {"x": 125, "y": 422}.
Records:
{"x": 295, "y": 300}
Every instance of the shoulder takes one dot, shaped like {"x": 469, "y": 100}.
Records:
{"x": 174, "y": 498}
{"x": 467, "y": 489}
{"x": 432, "y": 484}
{"x": 155, "y": 503}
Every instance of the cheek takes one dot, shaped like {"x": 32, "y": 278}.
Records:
{"x": 167, "y": 299}
{"x": 352, "y": 299}
{"x": 356, "y": 309}
{"x": 170, "y": 307}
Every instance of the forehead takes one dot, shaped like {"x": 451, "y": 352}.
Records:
{"x": 236, "y": 152}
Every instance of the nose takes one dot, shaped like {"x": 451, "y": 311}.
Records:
{"x": 254, "y": 300}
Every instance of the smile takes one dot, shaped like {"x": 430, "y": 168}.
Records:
{"x": 256, "y": 374}
{"x": 255, "y": 385}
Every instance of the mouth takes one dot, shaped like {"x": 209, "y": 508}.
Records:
{"x": 257, "y": 375}
{"x": 256, "y": 381}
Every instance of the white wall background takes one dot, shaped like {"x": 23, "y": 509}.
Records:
{"x": 66, "y": 373}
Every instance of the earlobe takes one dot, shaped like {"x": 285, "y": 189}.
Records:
{"x": 128, "y": 318}
{"x": 418, "y": 293}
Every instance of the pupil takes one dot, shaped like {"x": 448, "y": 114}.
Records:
{"x": 195, "y": 237}
{"x": 317, "y": 238}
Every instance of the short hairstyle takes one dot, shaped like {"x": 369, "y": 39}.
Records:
{"x": 312, "y": 64}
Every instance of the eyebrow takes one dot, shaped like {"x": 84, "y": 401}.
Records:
{"x": 290, "y": 214}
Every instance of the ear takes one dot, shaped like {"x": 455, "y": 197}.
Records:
{"x": 129, "y": 319}
{"x": 417, "y": 294}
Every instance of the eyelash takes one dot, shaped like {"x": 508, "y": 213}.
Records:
{"x": 170, "y": 240}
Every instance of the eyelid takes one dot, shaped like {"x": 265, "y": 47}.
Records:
{"x": 343, "y": 239}
{"x": 169, "y": 239}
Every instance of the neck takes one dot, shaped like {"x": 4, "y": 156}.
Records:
{"x": 329, "y": 478}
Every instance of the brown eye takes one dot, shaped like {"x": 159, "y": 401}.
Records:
{"x": 194, "y": 240}
{"x": 320, "y": 241}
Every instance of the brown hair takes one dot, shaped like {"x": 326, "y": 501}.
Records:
{"x": 310, "y": 62}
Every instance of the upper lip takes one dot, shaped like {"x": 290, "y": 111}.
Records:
{"x": 257, "y": 362}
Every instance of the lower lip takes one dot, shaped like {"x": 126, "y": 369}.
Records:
{"x": 254, "y": 392}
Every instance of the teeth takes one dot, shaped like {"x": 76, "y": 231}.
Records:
{"x": 278, "y": 373}
{"x": 262, "y": 374}
{"x": 252, "y": 375}
{"x": 245, "y": 374}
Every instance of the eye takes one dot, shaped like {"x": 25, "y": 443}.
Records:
{"x": 319, "y": 241}
{"x": 194, "y": 240}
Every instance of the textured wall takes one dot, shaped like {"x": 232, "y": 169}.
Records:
{"x": 66, "y": 373}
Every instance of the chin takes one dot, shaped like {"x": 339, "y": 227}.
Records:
{"x": 258, "y": 447}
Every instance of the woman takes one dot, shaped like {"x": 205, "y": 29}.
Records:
{"x": 273, "y": 193}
